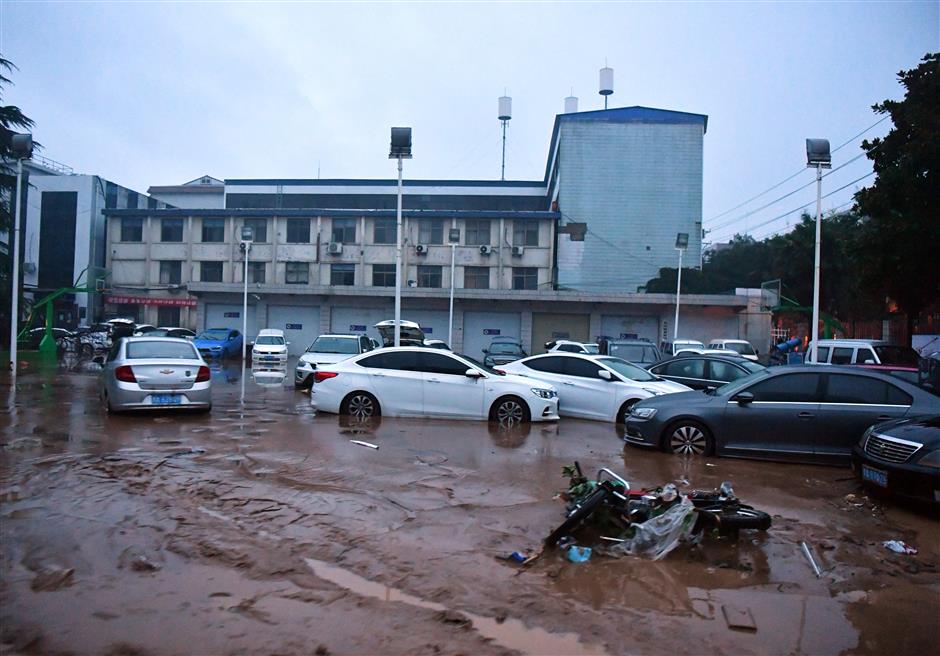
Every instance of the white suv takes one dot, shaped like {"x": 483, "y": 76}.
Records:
{"x": 270, "y": 347}
{"x": 567, "y": 346}
{"x": 328, "y": 349}
{"x": 740, "y": 347}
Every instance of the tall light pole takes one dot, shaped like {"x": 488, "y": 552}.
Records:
{"x": 400, "y": 149}
{"x": 453, "y": 236}
{"x": 817, "y": 155}
{"x": 682, "y": 243}
{"x": 22, "y": 145}
{"x": 245, "y": 245}
{"x": 505, "y": 114}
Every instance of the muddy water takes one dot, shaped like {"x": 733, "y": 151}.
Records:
{"x": 265, "y": 529}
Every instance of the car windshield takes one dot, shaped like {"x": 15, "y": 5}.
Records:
{"x": 688, "y": 345}
{"x": 270, "y": 340}
{"x": 628, "y": 370}
{"x": 158, "y": 332}
{"x": 479, "y": 364}
{"x": 750, "y": 365}
{"x": 591, "y": 348}
{"x": 213, "y": 334}
{"x": 160, "y": 351}
{"x": 505, "y": 349}
{"x": 730, "y": 388}
{"x": 903, "y": 355}
{"x": 343, "y": 345}
{"x": 740, "y": 347}
{"x": 633, "y": 352}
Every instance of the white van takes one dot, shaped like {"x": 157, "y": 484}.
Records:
{"x": 863, "y": 351}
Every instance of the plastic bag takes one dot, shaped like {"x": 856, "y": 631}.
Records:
{"x": 659, "y": 535}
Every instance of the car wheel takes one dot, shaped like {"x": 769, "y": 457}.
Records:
{"x": 306, "y": 383}
{"x": 687, "y": 437}
{"x": 625, "y": 410}
{"x": 510, "y": 410}
{"x": 361, "y": 405}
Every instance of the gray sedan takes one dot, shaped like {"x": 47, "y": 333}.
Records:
{"x": 150, "y": 373}
{"x": 803, "y": 413}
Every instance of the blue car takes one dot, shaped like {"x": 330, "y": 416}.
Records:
{"x": 218, "y": 342}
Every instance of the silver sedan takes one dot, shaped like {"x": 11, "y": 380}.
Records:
{"x": 150, "y": 373}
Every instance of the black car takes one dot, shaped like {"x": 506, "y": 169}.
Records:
{"x": 704, "y": 371}
{"x": 901, "y": 457}
{"x": 503, "y": 351}
{"x": 801, "y": 412}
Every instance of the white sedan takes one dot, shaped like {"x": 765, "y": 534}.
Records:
{"x": 423, "y": 382}
{"x": 593, "y": 386}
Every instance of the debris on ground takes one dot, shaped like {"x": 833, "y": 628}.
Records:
{"x": 368, "y": 444}
{"x": 899, "y": 546}
{"x": 738, "y": 618}
{"x": 809, "y": 557}
{"x": 578, "y": 554}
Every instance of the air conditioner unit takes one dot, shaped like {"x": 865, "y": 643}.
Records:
{"x": 518, "y": 250}
{"x": 421, "y": 249}
{"x": 335, "y": 248}
{"x": 486, "y": 250}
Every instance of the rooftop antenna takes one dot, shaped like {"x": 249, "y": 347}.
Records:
{"x": 505, "y": 114}
{"x": 606, "y": 82}
{"x": 571, "y": 103}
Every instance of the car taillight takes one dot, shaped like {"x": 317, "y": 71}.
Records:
{"x": 125, "y": 374}
{"x": 320, "y": 376}
{"x": 203, "y": 374}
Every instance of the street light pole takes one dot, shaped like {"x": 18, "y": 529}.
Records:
{"x": 398, "y": 262}
{"x": 245, "y": 245}
{"x": 22, "y": 145}
{"x": 682, "y": 242}
{"x": 450, "y": 322}
{"x": 818, "y": 156}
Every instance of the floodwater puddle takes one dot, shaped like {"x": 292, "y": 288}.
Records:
{"x": 510, "y": 633}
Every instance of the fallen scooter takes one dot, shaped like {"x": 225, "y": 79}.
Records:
{"x": 651, "y": 523}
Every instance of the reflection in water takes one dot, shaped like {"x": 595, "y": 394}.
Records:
{"x": 509, "y": 434}
{"x": 269, "y": 376}
{"x": 352, "y": 425}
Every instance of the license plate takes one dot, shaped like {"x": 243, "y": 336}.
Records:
{"x": 165, "y": 399}
{"x": 875, "y": 476}
{"x": 269, "y": 357}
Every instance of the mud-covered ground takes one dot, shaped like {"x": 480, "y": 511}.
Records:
{"x": 263, "y": 530}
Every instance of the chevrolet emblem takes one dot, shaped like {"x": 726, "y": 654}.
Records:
{"x": 166, "y": 371}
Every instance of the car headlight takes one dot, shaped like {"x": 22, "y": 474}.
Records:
{"x": 544, "y": 393}
{"x": 642, "y": 413}
{"x": 654, "y": 392}
{"x": 932, "y": 459}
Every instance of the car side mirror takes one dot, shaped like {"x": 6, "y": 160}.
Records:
{"x": 743, "y": 398}
{"x": 603, "y": 373}
{"x": 710, "y": 388}
{"x": 473, "y": 373}
{"x": 286, "y": 343}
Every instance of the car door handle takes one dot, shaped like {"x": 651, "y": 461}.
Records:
{"x": 806, "y": 415}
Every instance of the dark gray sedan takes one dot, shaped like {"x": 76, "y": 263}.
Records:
{"x": 802, "y": 413}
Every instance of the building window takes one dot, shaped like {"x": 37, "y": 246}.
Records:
{"x": 298, "y": 231}
{"x": 298, "y": 273}
{"x": 256, "y": 272}
{"x": 132, "y": 200}
{"x": 171, "y": 229}
{"x": 213, "y": 230}
{"x": 429, "y": 276}
{"x": 342, "y": 274}
{"x": 171, "y": 272}
{"x": 210, "y": 271}
{"x": 478, "y": 232}
{"x": 168, "y": 317}
{"x": 525, "y": 278}
{"x": 383, "y": 275}
{"x": 476, "y": 277}
{"x": 384, "y": 231}
{"x": 132, "y": 229}
{"x": 110, "y": 195}
{"x": 525, "y": 232}
{"x": 344, "y": 231}
{"x": 259, "y": 230}
{"x": 431, "y": 231}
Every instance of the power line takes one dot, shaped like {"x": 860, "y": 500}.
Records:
{"x": 832, "y": 212}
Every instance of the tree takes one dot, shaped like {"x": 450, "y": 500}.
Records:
{"x": 899, "y": 239}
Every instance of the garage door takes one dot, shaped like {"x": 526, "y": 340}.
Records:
{"x": 479, "y": 328}
{"x": 301, "y": 325}
{"x": 345, "y": 320}
{"x": 615, "y": 326}
{"x": 548, "y": 326}
{"x": 433, "y": 322}
{"x": 224, "y": 315}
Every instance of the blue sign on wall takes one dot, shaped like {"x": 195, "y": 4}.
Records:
{"x": 357, "y": 328}
{"x": 294, "y": 326}
{"x": 232, "y": 315}
{"x": 491, "y": 331}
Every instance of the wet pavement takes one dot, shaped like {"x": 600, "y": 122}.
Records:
{"x": 265, "y": 529}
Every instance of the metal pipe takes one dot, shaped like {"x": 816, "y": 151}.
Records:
{"x": 398, "y": 263}
{"x": 15, "y": 295}
{"x": 675, "y": 327}
{"x": 502, "y": 174}
{"x": 450, "y": 322}
{"x": 815, "y": 327}
{"x": 245, "y": 321}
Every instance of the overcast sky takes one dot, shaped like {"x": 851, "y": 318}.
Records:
{"x": 150, "y": 93}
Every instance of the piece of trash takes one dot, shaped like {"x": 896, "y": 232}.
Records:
{"x": 809, "y": 557}
{"x": 898, "y": 546}
{"x": 518, "y": 556}
{"x": 361, "y": 443}
{"x": 610, "y": 539}
{"x": 565, "y": 542}
{"x": 739, "y": 618}
{"x": 708, "y": 464}
{"x": 578, "y": 554}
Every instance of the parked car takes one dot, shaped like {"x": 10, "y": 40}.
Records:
{"x": 411, "y": 333}
{"x": 437, "y": 344}
{"x": 637, "y": 351}
{"x": 593, "y": 386}
{"x": 270, "y": 347}
{"x": 670, "y": 349}
{"x": 703, "y": 371}
{"x": 422, "y": 382}
{"x": 327, "y": 349}
{"x": 219, "y": 342}
{"x": 35, "y": 335}
{"x": 568, "y": 346}
{"x": 863, "y": 351}
{"x": 799, "y": 412}
{"x": 901, "y": 457}
{"x": 182, "y": 333}
{"x": 741, "y": 347}
{"x": 503, "y": 350}
{"x": 143, "y": 329}
{"x": 146, "y": 373}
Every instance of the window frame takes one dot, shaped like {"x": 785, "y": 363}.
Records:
{"x": 431, "y": 231}
{"x": 525, "y": 232}
{"x": 384, "y": 230}
{"x": 428, "y": 273}
{"x": 171, "y": 223}
{"x": 297, "y": 231}
{"x": 131, "y": 225}
{"x": 253, "y": 268}
{"x": 341, "y": 226}
{"x": 386, "y": 270}
{"x": 342, "y": 268}
{"x": 202, "y": 270}
{"x": 473, "y": 232}
{"x": 521, "y": 278}
{"x": 253, "y": 222}
{"x": 170, "y": 276}
{"x": 477, "y": 272}
{"x": 297, "y": 268}
{"x": 208, "y": 227}
{"x": 815, "y": 399}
